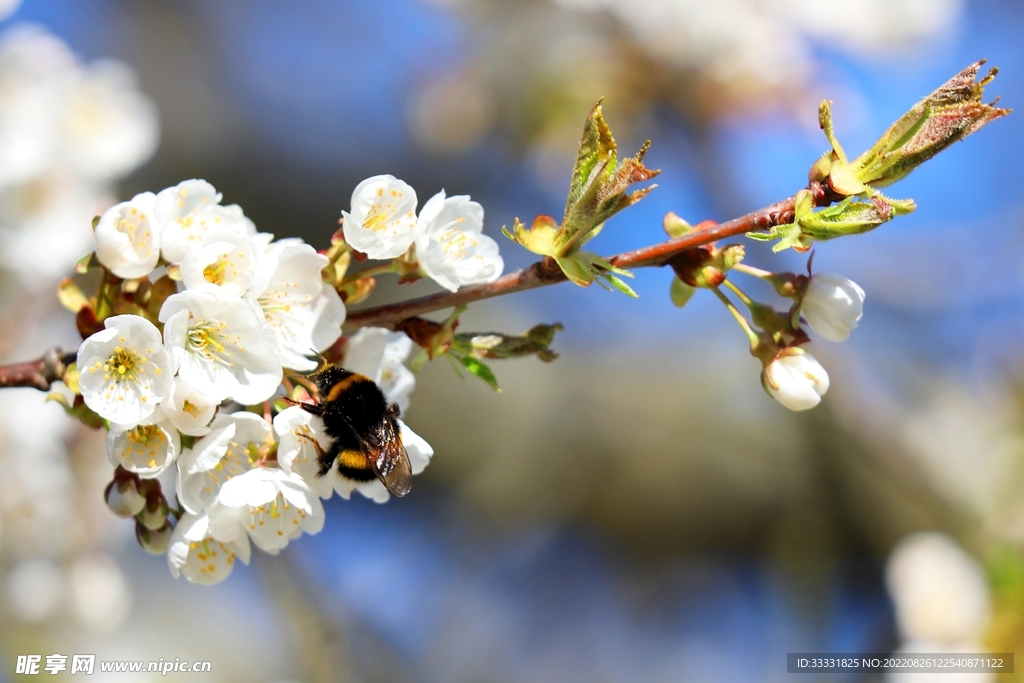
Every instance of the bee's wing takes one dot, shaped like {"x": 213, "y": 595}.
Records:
{"x": 388, "y": 458}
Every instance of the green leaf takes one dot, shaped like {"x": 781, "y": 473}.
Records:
{"x": 77, "y": 410}
{"x": 618, "y": 284}
{"x": 597, "y": 151}
{"x": 419, "y": 360}
{"x": 680, "y": 292}
{"x": 481, "y": 370}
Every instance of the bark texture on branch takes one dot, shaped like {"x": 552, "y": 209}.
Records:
{"x": 39, "y": 373}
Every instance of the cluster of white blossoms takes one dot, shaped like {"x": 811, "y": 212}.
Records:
{"x": 832, "y": 305}
{"x": 247, "y": 308}
{"x": 450, "y": 246}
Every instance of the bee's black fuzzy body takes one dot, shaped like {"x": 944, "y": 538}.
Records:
{"x": 364, "y": 431}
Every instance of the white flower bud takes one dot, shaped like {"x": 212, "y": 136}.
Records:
{"x": 939, "y": 590}
{"x": 123, "y": 498}
{"x": 832, "y": 305}
{"x": 795, "y": 379}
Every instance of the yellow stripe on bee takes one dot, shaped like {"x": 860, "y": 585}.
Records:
{"x": 342, "y": 386}
{"x": 354, "y": 460}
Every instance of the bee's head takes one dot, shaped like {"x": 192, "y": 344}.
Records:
{"x": 326, "y": 377}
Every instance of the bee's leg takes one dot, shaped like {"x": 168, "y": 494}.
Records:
{"x": 311, "y": 408}
{"x": 325, "y": 459}
{"x": 394, "y": 411}
{"x": 320, "y": 452}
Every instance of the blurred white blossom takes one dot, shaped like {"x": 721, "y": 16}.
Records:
{"x": 100, "y": 596}
{"x": 67, "y": 132}
{"x": 939, "y": 591}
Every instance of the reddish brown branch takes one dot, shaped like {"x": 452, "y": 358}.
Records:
{"x": 546, "y": 272}
{"x": 39, "y": 373}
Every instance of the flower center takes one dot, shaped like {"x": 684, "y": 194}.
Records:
{"x": 204, "y": 337}
{"x": 124, "y": 365}
{"x": 190, "y": 408}
{"x": 146, "y": 435}
{"x": 223, "y": 270}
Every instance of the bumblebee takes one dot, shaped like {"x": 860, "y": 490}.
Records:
{"x": 364, "y": 431}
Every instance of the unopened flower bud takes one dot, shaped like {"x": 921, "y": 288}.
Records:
{"x": 154, "y": 540}
{"x": 123, "y": 497}
{"x": 795, "y": 379}
{"x": 832, "y": 305}
{"x": 154, "y": 513}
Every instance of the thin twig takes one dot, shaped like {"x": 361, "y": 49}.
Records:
{"x": 547, "y": 272}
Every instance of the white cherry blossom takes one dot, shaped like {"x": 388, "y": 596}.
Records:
{"x": 382, "y": 223}
{"x": 380, "y": 355}
{"x": 194, "y": 553}
{"x": 147, "y": 450}
{"x": 304, "y": 313}
{"x": 128, "y": 238}
{"x": 221, "y": 346}
{"x": 189, "y": 410}
{"x": 190, "y": 211}
{"x": 450, "y": 244}
{"x": 795, "y": 379}
{"x": 270, "y": 505}
{"x": 234, "y": 445}
{"x": 125, "y": 370}
{"x": 223, "y": 262}
{"x": 832, "y": 305}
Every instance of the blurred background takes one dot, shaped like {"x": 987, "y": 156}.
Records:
{"x": 638, "y": 510}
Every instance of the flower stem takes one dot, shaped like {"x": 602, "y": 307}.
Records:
{"x": 740, "y": 319}
{"x": 388, "y": 267}
{"x": 107, "y": 296}
{"x": 747, "y": 301}
{"x": 751, "y": 270}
